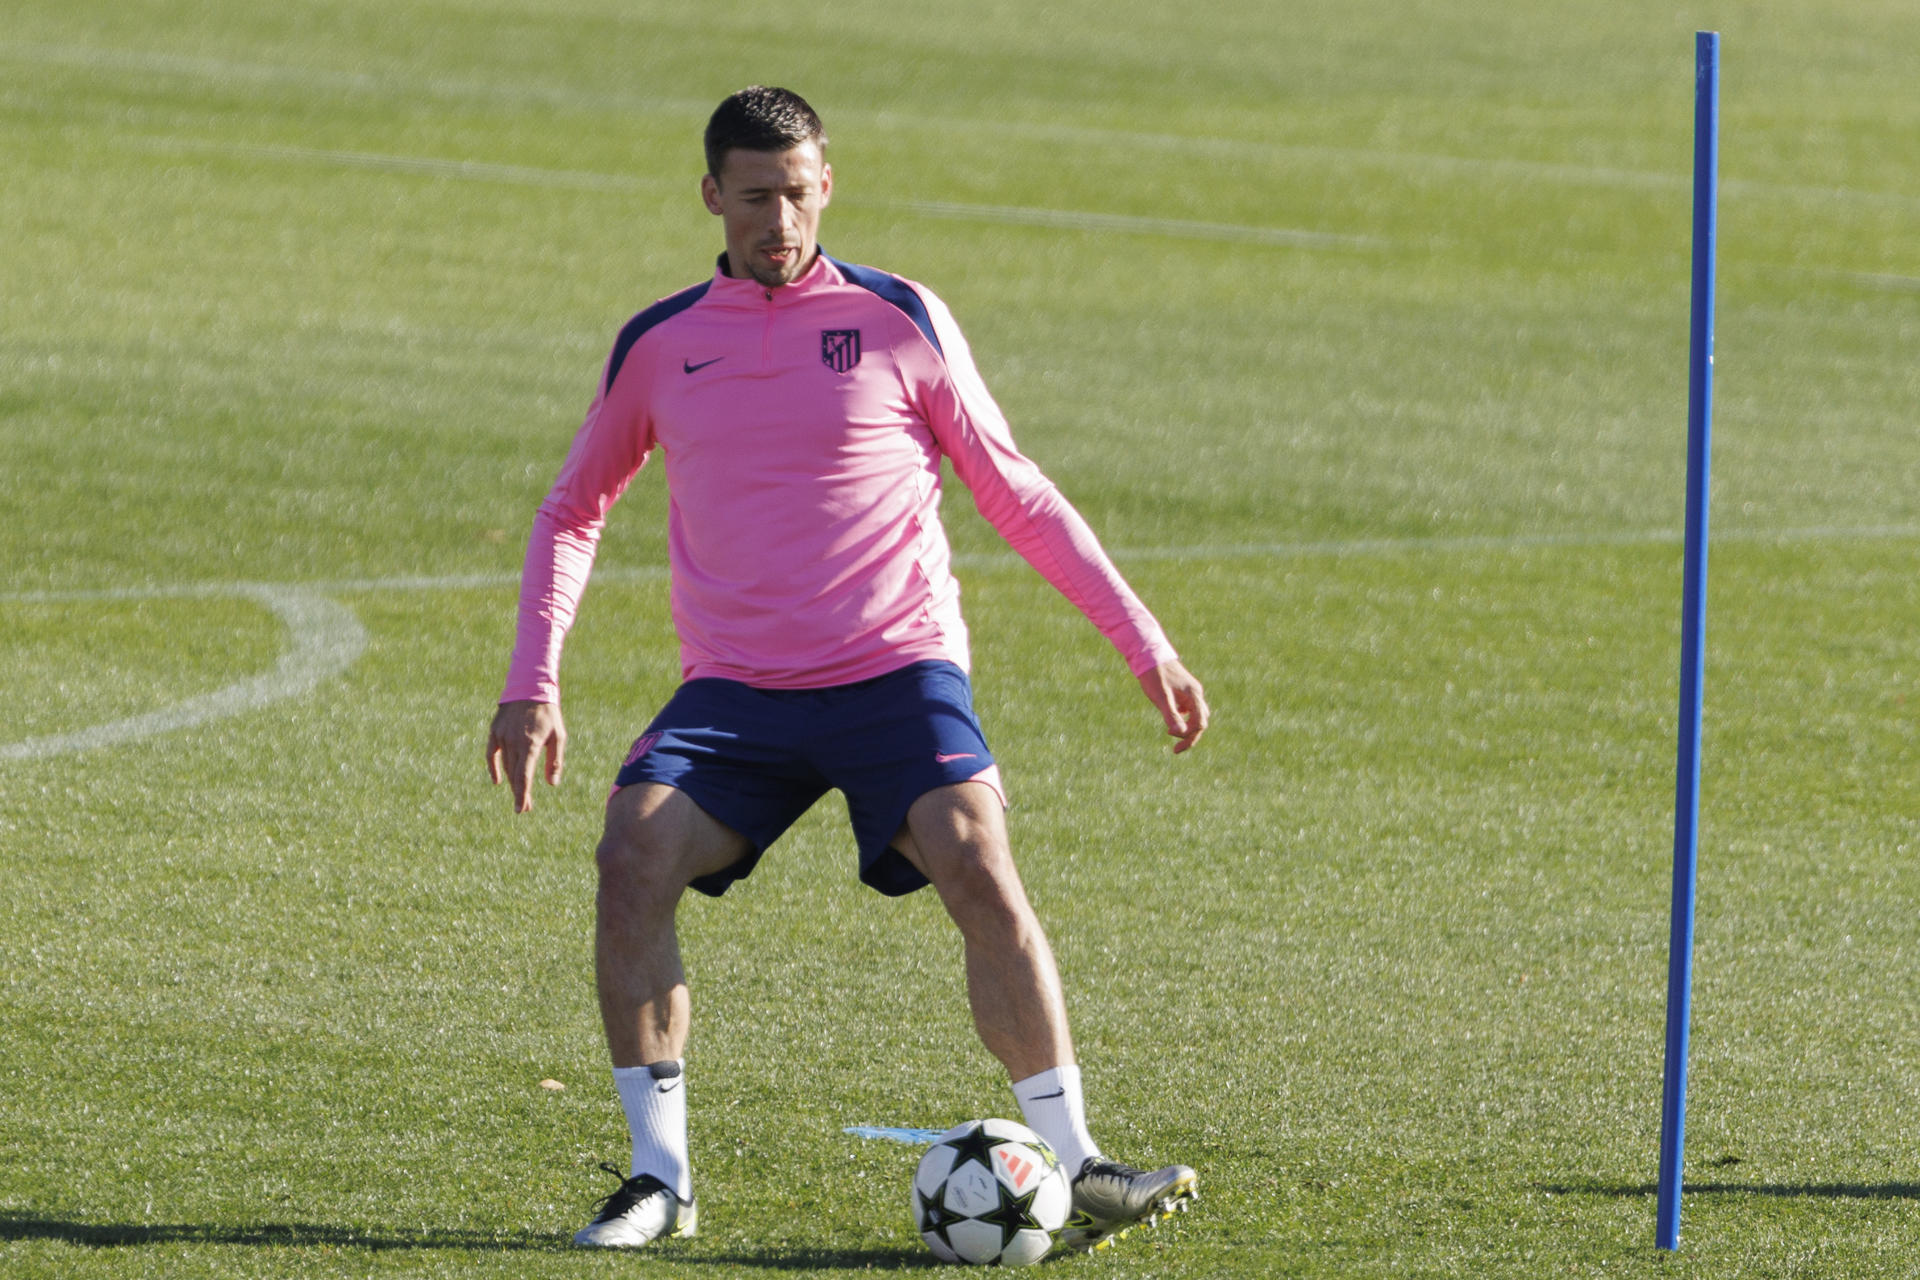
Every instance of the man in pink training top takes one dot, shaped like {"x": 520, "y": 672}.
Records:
{"x": 801, "y": 407}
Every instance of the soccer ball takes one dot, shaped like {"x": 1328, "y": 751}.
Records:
{"x": 990, "y": 1193}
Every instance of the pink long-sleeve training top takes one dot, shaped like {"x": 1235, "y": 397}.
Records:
{"x": 802, "y": 428}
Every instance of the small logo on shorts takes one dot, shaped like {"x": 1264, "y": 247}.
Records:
{"x": 641, "y": 745}
{"x": 943, "y": 758}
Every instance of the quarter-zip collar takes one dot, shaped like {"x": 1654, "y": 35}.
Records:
{"x": 747, "y": 291}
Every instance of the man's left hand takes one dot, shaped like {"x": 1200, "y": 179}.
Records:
{"x": 1183, "y": 704}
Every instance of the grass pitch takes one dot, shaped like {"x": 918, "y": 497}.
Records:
{"x": 1357, "y": 330}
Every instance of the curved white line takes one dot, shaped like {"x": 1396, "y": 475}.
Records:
{"x": 327, "y": 639}
{"x": 978, "y": 560}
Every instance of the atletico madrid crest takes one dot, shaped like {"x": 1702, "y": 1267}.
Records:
{"x": 840, "y": 349}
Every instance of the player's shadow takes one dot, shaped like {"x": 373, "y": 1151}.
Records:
{"x": 1790, "y": 1190}
{"x": 115, "y": 1235}
{"x": 123, "y": 1235}
{"x": 823, "y": 1259}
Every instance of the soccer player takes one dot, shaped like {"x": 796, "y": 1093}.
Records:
{"x": 801, "y": 407}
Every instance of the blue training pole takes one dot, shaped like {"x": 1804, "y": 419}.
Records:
{"x": 1693, "y": 626}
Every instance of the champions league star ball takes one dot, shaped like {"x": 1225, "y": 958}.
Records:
{"x": 990, "y": 1193}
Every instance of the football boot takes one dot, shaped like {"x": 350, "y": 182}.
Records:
{"x": 641, "y": 1208}
{"x": 1110, "y": 1199}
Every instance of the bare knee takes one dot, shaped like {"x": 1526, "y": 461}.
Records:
{"x": 655, "y": 843}
{"x": 629, "y": 851}
{"x": 636, "y": 854}
{"x": 981, "y": 890}
{"x": 982, "y": 876}
{"x": 635, "y": 871}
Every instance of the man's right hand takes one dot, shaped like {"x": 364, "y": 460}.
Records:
{"x": 521, "y": 731}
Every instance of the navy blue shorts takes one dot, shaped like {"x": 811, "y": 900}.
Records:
{"x": 756, "y": 759}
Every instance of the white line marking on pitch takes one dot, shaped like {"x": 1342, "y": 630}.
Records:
{"x": 1876, "y": 280}
{"x": 1179, "y": 228}
{"x": 628, "y": 574}
{"x": 400, "y": 83}
{"x": 587, "y": 180}
{"x": 429, "y": 166}
{"x": 326, "y": 639}
{"x": 396, "y": 83}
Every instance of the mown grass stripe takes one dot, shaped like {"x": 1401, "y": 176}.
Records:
{"x": 584, "y": 180}
{"x": 981, "y": 561}
{"x": 222, "y": 70}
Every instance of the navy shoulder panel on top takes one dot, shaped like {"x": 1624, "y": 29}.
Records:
{"x": 665, "y": 309}
{"x": 895, "y": 290}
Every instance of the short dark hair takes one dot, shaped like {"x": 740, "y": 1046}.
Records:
{"x": 761, "y": 119}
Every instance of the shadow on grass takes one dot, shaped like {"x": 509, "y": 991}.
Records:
{"x": 289, "y": 1235}
{"x": 107, "y": 1235}
{"x": 822, "y": 1259}
{"x": 1791, "y": 1190}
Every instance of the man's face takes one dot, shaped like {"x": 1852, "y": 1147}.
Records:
{"x": 770, "y": 203}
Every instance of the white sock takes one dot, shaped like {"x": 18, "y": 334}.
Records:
{"x": 655, "y": 1099}
{"x": 1053, "y": 1108}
